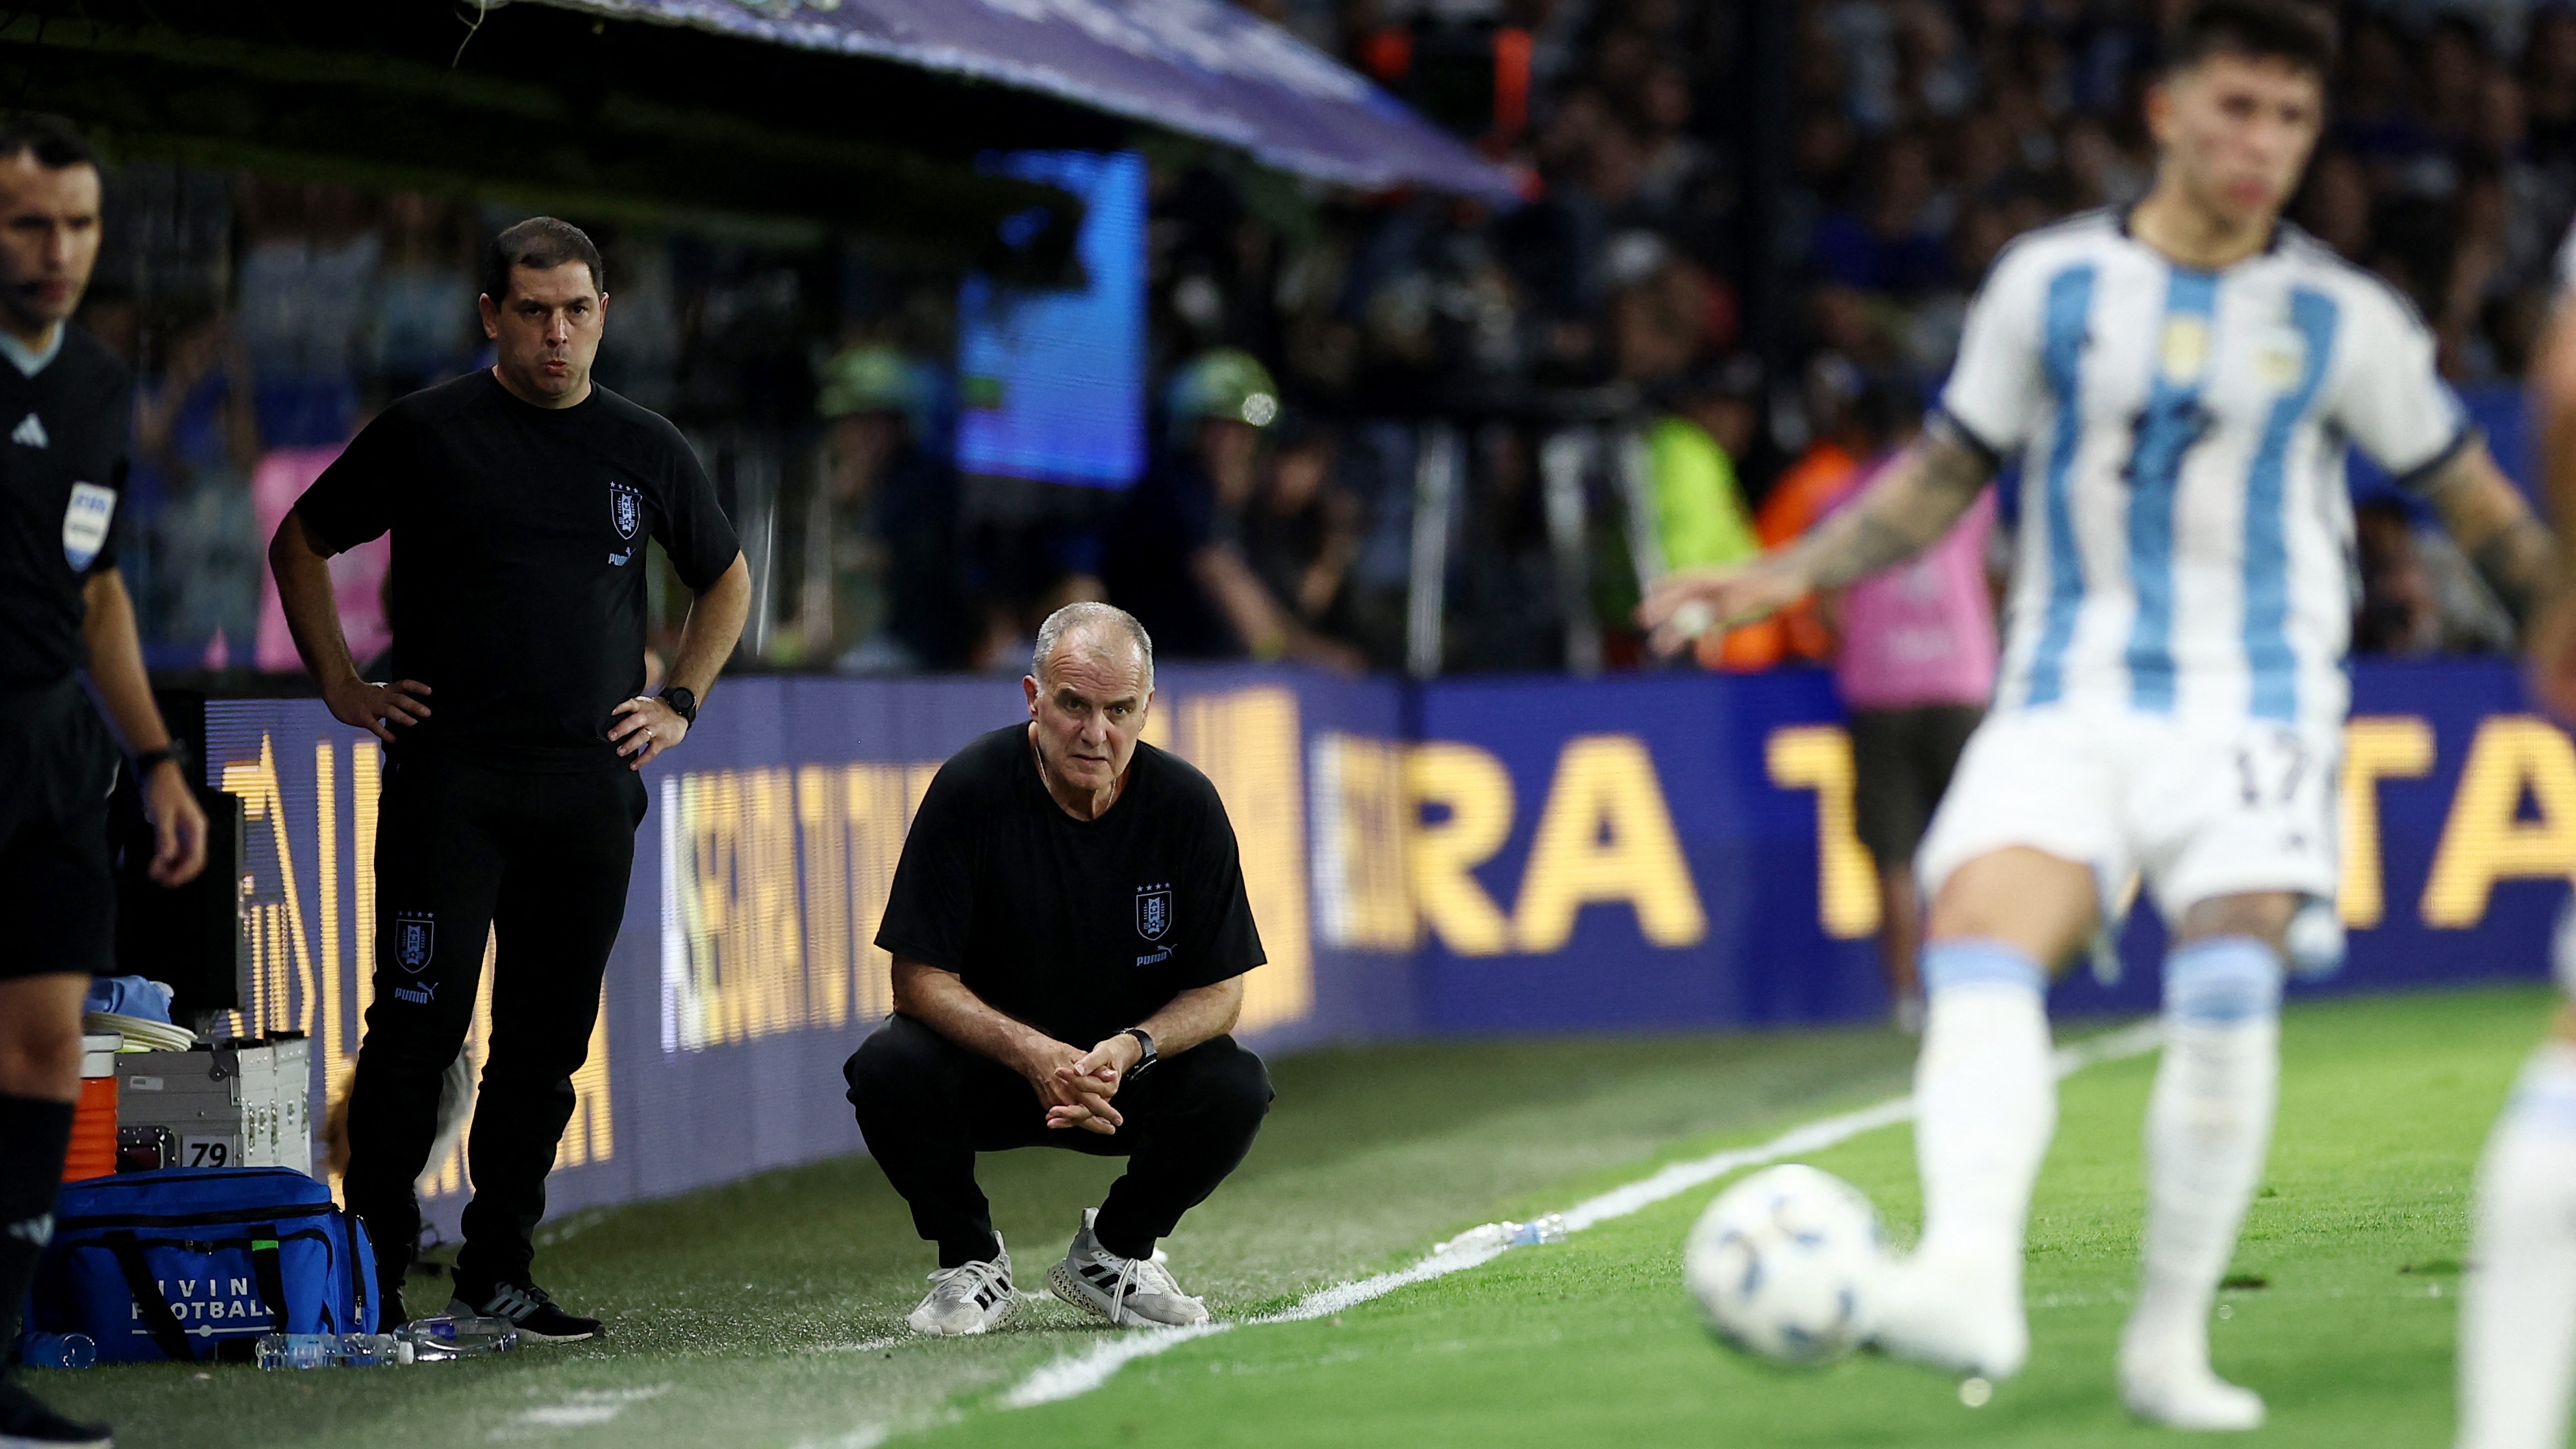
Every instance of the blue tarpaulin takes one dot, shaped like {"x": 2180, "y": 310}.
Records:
{"x": 1201, "y": 67}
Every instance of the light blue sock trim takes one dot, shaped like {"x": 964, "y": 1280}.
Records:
{"x": 2223, "y": 981}
{"x": 1974, "y": 962}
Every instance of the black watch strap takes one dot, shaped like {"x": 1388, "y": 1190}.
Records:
{"x": 1144, "y": 1039}
{"x": 175, "y": 752}
{"x": 683, "y": 702}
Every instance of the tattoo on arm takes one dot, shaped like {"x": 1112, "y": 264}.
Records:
{"x": 1905, "y": 511}
{"x": 2514, "y": 552}
{"x": 2519, "y": 562}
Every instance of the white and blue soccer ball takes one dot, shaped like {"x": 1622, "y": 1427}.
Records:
{"x": 1786, "y": 1265}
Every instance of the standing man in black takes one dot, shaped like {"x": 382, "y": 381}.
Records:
{"x": 519, "y": 501}
{"x": 1065, "y": 883}
{"x": 65, "y": 406}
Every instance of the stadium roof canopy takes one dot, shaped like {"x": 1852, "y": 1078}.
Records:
{"x": 868, "y": 114}
{"x": 1202, "y": 67}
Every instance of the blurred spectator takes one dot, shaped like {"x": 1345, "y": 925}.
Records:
{"x": 1915, "y": 667}
{"x": 1302, "y": 533}
{"x": 1174, "y": 555}
{"x": 358, "y": 575}
{"x": 197, "y": 439}
{"x": 879, "y": 592}
{"x": 1700, "y": 518}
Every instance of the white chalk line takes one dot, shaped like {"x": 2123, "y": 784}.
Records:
{"x": 1076, "y": 1374}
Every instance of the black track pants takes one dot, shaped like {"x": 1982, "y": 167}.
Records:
{"x": 541, "y": 863}
{"x": 928, "y": 1105}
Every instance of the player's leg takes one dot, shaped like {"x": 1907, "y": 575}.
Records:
{"x": 562, "y": 899}
{"x": 437, "y": 875}
{"x": 1985, "y": 1104}
{"x": 2029, "y": 824}
{"x": 58, "y": 895}
{"x": 1190, "y": 1120}
{"x": 1891, "y": 806}
{"x": 925, "y": 1105}
{"x": 2209, "y": 1126}
{"x": 2518, "y": 1310}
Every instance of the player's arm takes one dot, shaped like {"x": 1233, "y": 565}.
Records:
{"x": 2486, "y": 516}
{"x": 645, "y": 726}
{"x": 1908, "y": 507}
{"x": 116, "y": 668}
{"x": 942, "y": 1001}
{"x": 1194, "y": 1018}
{"x": 302, "y": 565}
{"x": 2551, "y": 637}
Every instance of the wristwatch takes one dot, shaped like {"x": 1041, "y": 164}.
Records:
{"x": 175, "y": 752}
{"x": 1144, "y": 1039}
{"x": 683, "y": 702}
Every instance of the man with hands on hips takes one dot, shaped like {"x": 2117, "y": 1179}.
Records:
{"x": 1065, "y": 883}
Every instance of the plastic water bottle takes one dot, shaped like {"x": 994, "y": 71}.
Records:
{"x": 298, "y": 1350}
{"x": 1549, "y": 1229}
{"x": 374, "y": 1350}
{"x": 57, "y": 1350}
{"x": 446, "y": 1337}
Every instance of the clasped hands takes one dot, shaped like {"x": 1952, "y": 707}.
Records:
{"x": 1076, "y": 1086}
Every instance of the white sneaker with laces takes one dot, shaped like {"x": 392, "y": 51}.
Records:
{"x": 968, "y": 1298}
{"x": 1129, "y": 1292}
{"x": 2174, "y": 1391}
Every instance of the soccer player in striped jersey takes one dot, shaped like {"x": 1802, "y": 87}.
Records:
{"x": 2179, "y": 382}
{"x": 2518, "y": 1310}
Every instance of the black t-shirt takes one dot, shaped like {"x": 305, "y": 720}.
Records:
{"x": 518, "y": 567}
{"x": 62, "y": 474}
{"x": 1077, "y": 927}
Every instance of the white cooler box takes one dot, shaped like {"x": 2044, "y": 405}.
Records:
{"x": 232, "y": 1105}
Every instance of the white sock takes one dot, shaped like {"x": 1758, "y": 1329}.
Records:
{"x": 2209, "y": 1125}
{"x": 1985, "y": 1104}
{"x": 2518, "y": 1315}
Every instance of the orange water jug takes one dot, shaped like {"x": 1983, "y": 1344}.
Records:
{"x": 93, "y": 1145}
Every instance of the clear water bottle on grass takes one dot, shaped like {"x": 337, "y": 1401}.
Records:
{"x": 447, "y": 1337}
{"x": 1549, "y": 1229}
{"x": 57, "y": 1350}
{"x": 297, "y": 1350}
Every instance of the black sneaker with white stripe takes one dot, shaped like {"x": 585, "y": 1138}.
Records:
{"x": 532, "y": 1308}
{"x": 25, "y": 1423}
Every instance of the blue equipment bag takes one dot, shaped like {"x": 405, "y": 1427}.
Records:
{"x": 187, "y": 1262}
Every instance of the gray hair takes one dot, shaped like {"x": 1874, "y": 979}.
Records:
{"x": 1078, "y": 618}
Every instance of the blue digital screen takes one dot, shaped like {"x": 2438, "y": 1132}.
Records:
{"x": 1053, "y": 381}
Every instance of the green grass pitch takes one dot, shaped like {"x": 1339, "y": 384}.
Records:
{"x": 770, "y": 1312}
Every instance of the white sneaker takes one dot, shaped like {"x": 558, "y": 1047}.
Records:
{"x": 1129, "y": 1292}
{"x": 1950, "y": 1317}
{"x": 2180, "y": 1394}
{"x": 969, "y": 1298}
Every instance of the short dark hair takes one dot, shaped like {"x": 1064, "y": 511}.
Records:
{"x": 2285, "y": 30}
{"x": 56, "y": 143}
{"x": 542, "y": 243}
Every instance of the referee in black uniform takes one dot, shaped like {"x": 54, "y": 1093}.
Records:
{"x": 65, "y": 404}
{"x": 519, "y": 501}
{"x": 1065, "y": 883}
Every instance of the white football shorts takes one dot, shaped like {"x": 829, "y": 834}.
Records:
{"x": 2199, "y": 811}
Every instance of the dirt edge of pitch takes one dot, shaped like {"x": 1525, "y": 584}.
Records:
{"x": 1078, "y": 1373}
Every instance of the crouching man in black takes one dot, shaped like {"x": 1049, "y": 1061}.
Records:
{"x": 1064, "y": 883}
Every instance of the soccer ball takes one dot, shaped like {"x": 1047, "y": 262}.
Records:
{"x": 1785, "y": 1264}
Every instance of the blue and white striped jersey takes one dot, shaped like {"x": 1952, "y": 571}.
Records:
{"x": 2186, "y": 537}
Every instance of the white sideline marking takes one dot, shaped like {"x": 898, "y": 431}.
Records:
{"x": 1076, "y": 1374}
{"x": 585, "y": 1409}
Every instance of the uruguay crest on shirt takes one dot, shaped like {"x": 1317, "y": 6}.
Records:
{"x": 624, "y": 509}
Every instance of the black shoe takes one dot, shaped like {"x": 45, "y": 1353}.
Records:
{"x": 532, "y": 1308}
{"x": 25, "y": 1423}
{"x": 390, "y": 1313}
